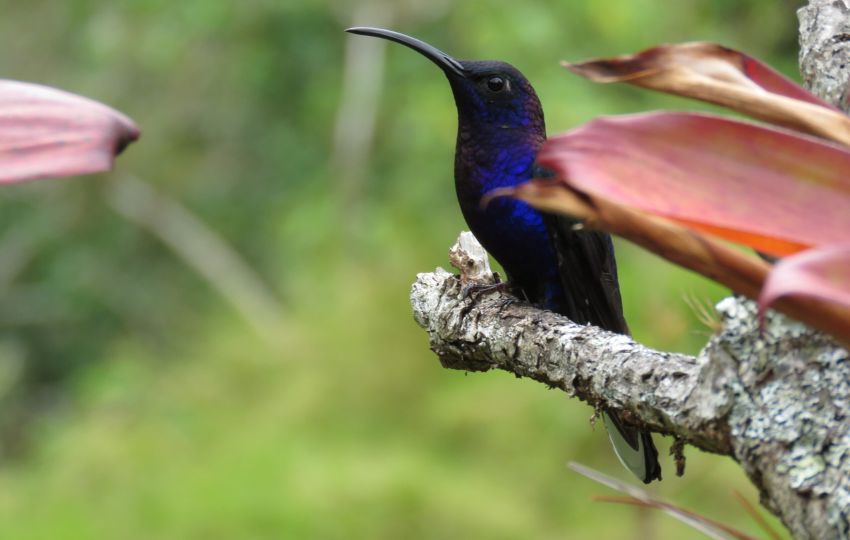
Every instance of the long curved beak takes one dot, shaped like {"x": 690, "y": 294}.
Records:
{"x": 444, "y": 61}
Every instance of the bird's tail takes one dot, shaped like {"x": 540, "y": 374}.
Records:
{"x": 634, "y": 448}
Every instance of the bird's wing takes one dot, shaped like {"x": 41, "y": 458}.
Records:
{"x": 588, "y": 274}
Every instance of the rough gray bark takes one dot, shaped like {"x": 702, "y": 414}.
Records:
{"x": 825, "y": 49}
{"x": 773, "y": 401}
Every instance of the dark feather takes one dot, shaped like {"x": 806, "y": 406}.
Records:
{"x": 588, "y": 274}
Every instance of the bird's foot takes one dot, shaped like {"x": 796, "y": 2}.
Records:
{"x": 475, "y": 290}
{"x": 472, "y": 290}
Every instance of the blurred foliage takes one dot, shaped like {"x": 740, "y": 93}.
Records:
{"x": 137, "y": 404}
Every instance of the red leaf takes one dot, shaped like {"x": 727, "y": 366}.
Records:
{"x": 822, "y": 273}
{"x": 768, "y": 188}
{"x": 716, "y": 74}
{"x": 681, "y": 67}
{"x": 46, "y": 132}
{"x": 773, "y": 81}
{"x": 742, "y": 272}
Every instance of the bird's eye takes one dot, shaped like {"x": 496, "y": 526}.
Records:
{"x": 496, "y": 84}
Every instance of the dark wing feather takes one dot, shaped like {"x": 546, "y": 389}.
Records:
{"x": 588, "y": 274}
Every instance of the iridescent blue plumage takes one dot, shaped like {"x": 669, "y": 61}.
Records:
{"x": 500, "y": 131}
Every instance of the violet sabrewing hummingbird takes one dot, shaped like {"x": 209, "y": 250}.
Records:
{"x": 547, "y": 260}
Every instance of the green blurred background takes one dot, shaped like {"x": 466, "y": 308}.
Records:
{"x": 215, "y": 341}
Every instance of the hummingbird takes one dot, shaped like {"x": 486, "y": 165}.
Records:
{"x": 548, "y": 260}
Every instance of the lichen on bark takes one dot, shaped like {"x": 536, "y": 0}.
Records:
{"x": 773, "y": 400}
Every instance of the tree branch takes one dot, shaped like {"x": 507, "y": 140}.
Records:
{"x": 775, "y": 402}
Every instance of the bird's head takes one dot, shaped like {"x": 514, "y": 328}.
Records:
{"x": 487, "y": 93}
